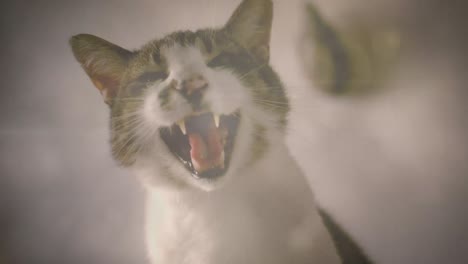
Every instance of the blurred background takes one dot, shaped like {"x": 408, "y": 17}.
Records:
{"x": 392, "y": 167}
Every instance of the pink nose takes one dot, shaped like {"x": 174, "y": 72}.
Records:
{"x": 192, "y": 88}
{"x": 193, "y": 84}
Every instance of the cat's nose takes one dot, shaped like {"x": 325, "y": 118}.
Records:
{"x": 193, "y": 84}
{"x": 192, "y": 88}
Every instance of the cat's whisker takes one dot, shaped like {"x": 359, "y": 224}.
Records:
{"x": 143, "y": 135}
{"x": 139, "y": 99}
{"x": 275, "y": 106}
{"x": 148, "y": 134}
{"x": 298, "y": 133}
{"x": 132, "y": 112}
{"x": 130, "y": 132}
{"x": 308, "y": 140}
{"x": 124, "y": 120}
{"x": 129, "y": 115}
{"x": 128, "y": 126}
{"x": 125, "y": 149}
{"x": 263, "y": 120}
{"x": 129, "y": 97}
{"x": 125, "y": 125}
{"x": 272, "y": 103}
{"x": 125, "y": 116}
{"x": 242, "y": 77}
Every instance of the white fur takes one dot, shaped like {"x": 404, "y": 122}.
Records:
{"x": 264, "y": 213}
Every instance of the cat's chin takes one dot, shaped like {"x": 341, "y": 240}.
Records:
{"x": 203, "y": 143}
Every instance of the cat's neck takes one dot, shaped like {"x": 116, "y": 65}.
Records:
{"x": 275, "y": 169}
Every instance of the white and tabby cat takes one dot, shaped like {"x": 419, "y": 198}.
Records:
{"x": 201, "y": 118}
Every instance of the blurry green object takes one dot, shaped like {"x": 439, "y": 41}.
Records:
{"x": 355, "y": 60}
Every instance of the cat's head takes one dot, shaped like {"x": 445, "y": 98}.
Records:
{"x": 191, "y": 108}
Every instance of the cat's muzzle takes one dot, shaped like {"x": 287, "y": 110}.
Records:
{"x": 203, "y": 142}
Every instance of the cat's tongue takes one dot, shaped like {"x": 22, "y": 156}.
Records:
{"x": 207, "y": 149}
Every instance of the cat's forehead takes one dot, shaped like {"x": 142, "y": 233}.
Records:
{"x": 207, "y": 41}
{"x": 155, "y": 55}
{"x": 177, "y": 56}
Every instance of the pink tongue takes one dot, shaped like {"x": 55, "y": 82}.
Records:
{"x": 206, "y": 153}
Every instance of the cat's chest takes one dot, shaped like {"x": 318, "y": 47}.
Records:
{"x": 228, "y": 228}
{"x": 259, "y": 195}
{"x": 254, "y": 219}
{"x": 224, "y": 213}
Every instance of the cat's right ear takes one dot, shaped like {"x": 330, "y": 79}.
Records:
{"x": 250, "y": 26}
{"x": 103, "y": 61}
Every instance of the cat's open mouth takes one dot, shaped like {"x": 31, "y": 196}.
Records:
{"x": 203, "y": 142}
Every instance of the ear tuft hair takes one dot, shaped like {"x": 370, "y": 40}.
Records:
{"x": 103, "y": 61}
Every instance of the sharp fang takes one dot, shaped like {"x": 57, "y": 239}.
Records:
{"x": 182, "y": 126}
{"x": 216, "y": 119}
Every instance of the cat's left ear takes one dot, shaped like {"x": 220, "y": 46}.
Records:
{"x": 104, "y": 62}
{"x": 250, "y": 26}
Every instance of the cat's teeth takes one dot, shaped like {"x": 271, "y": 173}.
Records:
{"x": 216, "y": 119}
{"x": 182, "y": 126}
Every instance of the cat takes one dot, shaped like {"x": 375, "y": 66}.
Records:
{"x": 200, "y": 117}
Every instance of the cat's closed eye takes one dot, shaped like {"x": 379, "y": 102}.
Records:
{"x": 149, "y": 77}
{"x": 240, "y": 61}
{"x": 138, "y": 85}
{"x": 224, "y": 58}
